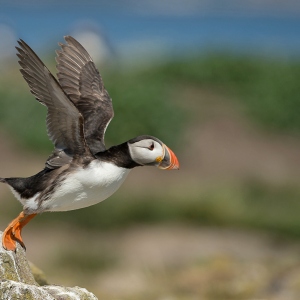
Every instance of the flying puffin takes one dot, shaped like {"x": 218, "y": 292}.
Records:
{"x": 80, "y": 172}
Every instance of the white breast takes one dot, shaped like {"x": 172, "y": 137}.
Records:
{"x": 86, "y": 187}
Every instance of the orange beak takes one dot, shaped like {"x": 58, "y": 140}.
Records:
{"x": 170, "y": 161}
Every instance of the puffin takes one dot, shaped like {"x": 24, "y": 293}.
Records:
{"x": 80, "y": 171}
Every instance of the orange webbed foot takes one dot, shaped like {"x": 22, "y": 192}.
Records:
{"x": 8, "y": 241}
{"x": 12, "y": 233}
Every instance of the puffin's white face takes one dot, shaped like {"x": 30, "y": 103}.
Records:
{"x": 146, "y": 152}
{"x": 152, "y": 152}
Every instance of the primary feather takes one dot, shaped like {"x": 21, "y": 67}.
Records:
{"x": 82, "y": 82}
{"x": 67, "y": 136}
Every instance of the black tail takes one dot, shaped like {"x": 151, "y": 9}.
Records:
{"x": 2, "y": 180}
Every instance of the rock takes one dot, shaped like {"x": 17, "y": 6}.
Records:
{"x": 17, "y": 281}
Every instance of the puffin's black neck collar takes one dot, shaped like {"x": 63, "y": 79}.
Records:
{"x": 118, "y": 155}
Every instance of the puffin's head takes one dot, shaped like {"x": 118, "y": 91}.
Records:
{"x": 149, "y": 151}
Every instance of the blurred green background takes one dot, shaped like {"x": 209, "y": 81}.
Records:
{"x": 226, "y": 226}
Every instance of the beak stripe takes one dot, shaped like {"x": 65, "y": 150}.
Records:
{"x": 174, "y": 163}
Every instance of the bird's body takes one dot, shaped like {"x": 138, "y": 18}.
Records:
{"x": 86, "y": 187}
{"x": 80, "y": 172}
{"x": 73, "y": 187}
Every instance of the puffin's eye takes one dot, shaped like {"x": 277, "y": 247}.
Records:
{"x": 151, "y": 147}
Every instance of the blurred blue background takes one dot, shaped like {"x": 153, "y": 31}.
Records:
{"x": 159, "y": 27}
{"x": 218, "y": 82}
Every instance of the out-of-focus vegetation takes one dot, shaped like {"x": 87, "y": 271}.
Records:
{"x": 268, "y": 89}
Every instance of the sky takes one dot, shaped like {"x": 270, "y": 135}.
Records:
{"x": 149, "y": 28}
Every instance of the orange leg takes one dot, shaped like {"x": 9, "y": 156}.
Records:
{"x": 13, "y": 231}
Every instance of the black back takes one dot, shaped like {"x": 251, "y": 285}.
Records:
{"x": 28, "y": 187}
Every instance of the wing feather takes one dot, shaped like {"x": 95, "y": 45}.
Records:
{"x": 64, "y": 121}
{"x": 82, "y": 82}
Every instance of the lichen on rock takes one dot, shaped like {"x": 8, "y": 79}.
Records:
{"x": 18, "y": 282}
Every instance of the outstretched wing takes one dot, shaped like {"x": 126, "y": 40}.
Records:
{"x": 81, "y": 81}
{"x": 64, "y": 121}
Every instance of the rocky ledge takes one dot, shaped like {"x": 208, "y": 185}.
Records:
{"x": 18, "y": 282}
